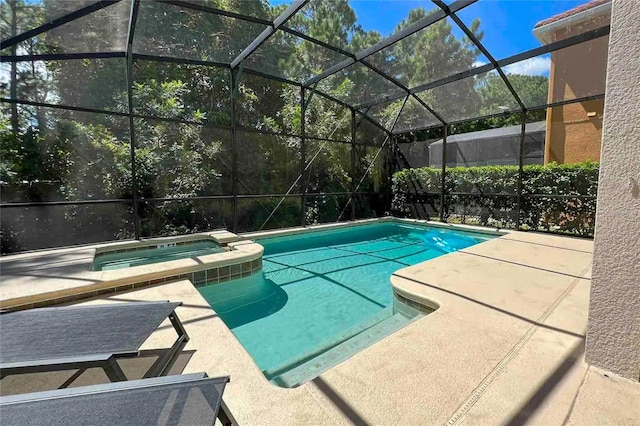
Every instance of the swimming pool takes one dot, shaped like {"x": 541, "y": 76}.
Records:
{"x": 154, "y": 254}
{"x": 325, "y": 295}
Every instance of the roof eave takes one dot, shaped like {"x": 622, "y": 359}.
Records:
{"x": 545, "y": 33}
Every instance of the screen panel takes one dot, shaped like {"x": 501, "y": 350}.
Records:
{"x": 358, "y": 84}
{"x": 255, "y": 8}
{"x": 32, "y": 14}
{"x": 355, "y": 33}
{"x": 285, "y": 55}
{"x": 189, "y": 92}
{"x": 39, "y": 227}
{"x": 327, "y": 119}
{"x": 414, "y": 116}
{"x": 267, "y": 164}
{"x": 559, "y": 76}
{"x": 328, "y": 166}
{"x": 368, "y": 133}
{"x": 471, "y": 97}
{"x": 266, "y": 104}
{"x": 444, "y": 50}
{"x": 385, "y": 113}
{"x": 104, "y": 30}
{"x": 265, "y": 213}
{"x": 368, "y": 206}
{"x": 476, "y": 195}
{"x": 59, "y": 155}
{"x": 372, "y": 168}
{"x": 172, "y": 31}
{"x": 178, "y": 217}
{"x": 317, "y": 15}
{"x": 418, "y": 187}
{"x": 327, "y": 208}
{"x": 181, "y": 160}
{"x": 503, "y": 39}
{"x": 95, "y": 84}
{"x": 561, "y": 196}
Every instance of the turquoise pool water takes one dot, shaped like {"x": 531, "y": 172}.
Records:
{"x": 323, "y": 296}
{"x": 128, "y": 259}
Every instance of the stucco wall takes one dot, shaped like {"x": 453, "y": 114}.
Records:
{"x": 613, "y": 334}
{"x": 572, "y": 136}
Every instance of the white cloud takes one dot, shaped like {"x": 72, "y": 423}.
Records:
{"x": 531, "y": 66}
{"x": 477, "y": 64}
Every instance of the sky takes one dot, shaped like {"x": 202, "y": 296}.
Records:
{"x": 507, "y": 24}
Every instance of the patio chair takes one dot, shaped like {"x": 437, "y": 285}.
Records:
{"x": 190, "y": 399}
{"x": 81, "y": 337}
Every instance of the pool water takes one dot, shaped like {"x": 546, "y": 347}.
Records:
{"x": 324, "y": 295}
{"x": 109, "y": 261}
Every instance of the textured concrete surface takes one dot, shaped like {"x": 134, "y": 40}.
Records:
{"x": 613, "y": 338}
{"x": 601, "y": 397}
{"x": 56, "y": 270}
{"x": 505, "y": 347}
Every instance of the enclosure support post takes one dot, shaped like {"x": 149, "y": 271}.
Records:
{"x": 234, "y": 152}
{"x": 388, "y": 195}
{"x": 303, "y": 156}
{"x": 520, "y": 169}
{"x": 132, "y": 134}
{"x": 443, "y": 172}
{"x": 353, "y": 162}
{"x": 13, "y": 79}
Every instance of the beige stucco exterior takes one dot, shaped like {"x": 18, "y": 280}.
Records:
{"x": 571, "y": 135}
{"x": 574, "y": 130}
{"x": 613, "y": 335}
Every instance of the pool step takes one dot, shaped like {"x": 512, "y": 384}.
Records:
{"x": 342, "y": 351}
{"x": 347, "y": 334}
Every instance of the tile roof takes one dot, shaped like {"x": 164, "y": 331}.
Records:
{"x": 571, "y": 12}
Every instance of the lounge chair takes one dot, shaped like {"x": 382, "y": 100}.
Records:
{"x": 80, "y": 337}
{"x": 190, "y": 399}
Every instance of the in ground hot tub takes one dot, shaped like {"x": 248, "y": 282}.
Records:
{"x": 156, "y": 253}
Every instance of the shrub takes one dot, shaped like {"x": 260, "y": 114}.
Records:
{"x": 553, "y": 196}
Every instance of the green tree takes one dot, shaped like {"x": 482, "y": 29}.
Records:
{"x": 532, "y": 91}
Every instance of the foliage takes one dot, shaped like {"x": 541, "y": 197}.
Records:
{"x": 487, "y": 195}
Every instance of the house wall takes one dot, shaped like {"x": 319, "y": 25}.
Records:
{"x": 613, "y": 332}
{"x": 577, "y": 71}
{"x": 572, "y": 135}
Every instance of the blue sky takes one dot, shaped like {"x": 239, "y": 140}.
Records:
{"x": 507, "y": 23}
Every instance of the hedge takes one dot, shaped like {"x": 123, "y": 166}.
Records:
{"x": 487, "y": 195}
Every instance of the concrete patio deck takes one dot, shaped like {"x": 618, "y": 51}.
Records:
{"x": 505, "y": 347}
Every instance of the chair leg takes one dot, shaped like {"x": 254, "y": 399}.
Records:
{"x": 113, "y": 371}
{"x": 225, "y": 416}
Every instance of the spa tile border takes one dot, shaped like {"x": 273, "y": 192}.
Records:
{"x": 226, "y": 273}
{"x": 198, "y": 279}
